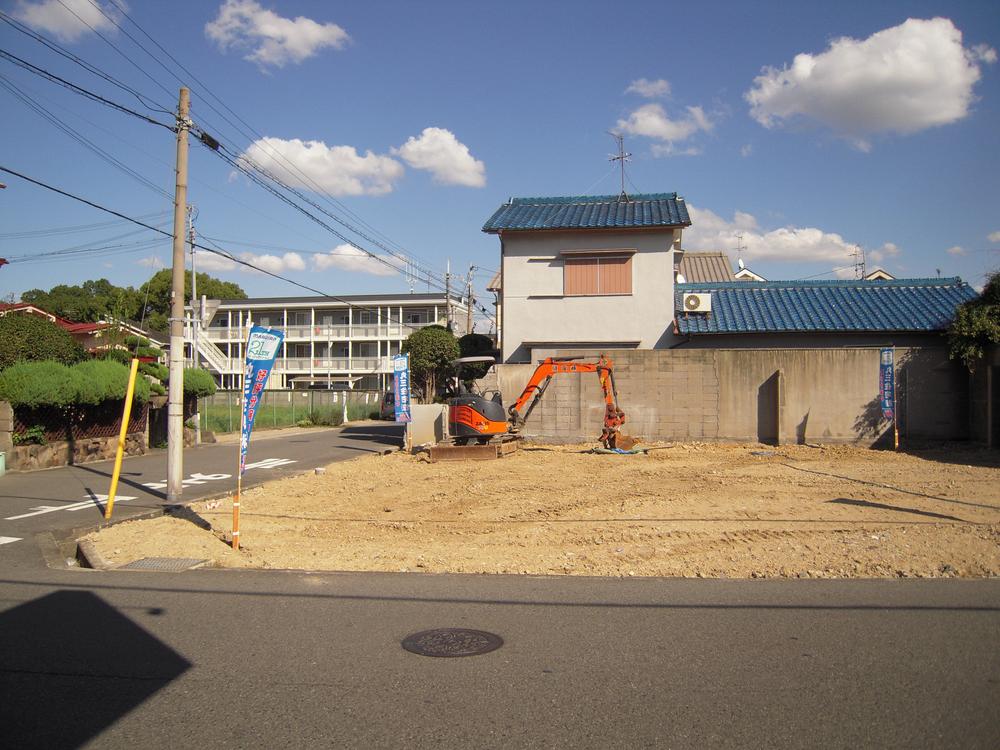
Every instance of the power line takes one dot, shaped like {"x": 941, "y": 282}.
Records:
{"x": 80, "y": 138}
{"x": 79, "y": 89}
{"x": 60, "y": 50}
{"x": 257, "y": 137}
{"x": 69, "y": 229}
{"x": 215, "y": 251}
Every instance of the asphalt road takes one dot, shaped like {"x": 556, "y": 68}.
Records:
{"x": 275, "y": 659}
{"x": 237, "y": 659}
{"x": 64, "y": 500}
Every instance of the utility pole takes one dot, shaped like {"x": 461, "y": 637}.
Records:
{"x": 175, "y": 394}
{"x": 447, "y": 295}
{"x": 195, "y": 317}
{"x": 468, "y": 301}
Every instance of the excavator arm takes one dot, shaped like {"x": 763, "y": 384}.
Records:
{"x": 614, "y": 417}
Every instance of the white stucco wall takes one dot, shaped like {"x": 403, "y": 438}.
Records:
{"x": 535, "y": 310}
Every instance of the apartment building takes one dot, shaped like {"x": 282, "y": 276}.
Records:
{"x": 330, "y": 342}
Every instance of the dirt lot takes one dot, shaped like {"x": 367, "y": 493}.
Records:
{"x": 680, "y": 510}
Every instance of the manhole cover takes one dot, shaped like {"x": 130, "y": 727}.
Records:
{"x": 452, "y": 642}
{"x": 164, "y": 563}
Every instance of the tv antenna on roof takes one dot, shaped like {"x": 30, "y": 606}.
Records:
{"x": 621, "y": 158}
{"x": 739, "y": 250}
{"x": 859, "y": 262}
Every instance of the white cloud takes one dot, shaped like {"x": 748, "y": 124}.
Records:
{"x": 349, "y": 258}
{"x": 339, "y": 170}
{"x": 68, "y": 20}
{"x": 439, "y": 152}
{"x": 271, "y": 39}
{"x": 746, "y": 150}
{"x": 651, "y": 121}
{"x": 993, "y": 236}
{"x": 649, "y": 89}
{"x": 956, "y": 250}
{"x": 153, "y": 261}
{"x": 206, "y": 261}
{"x": 903, "y": 79}
{"x": 274, "y": 263}
{"x": 709, "y": 231}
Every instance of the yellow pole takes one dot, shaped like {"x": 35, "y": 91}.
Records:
{"x": 126, "y": 413}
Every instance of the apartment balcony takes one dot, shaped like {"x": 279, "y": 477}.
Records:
{"x": 319, "y": 365}
{"x": 324, "y": 332}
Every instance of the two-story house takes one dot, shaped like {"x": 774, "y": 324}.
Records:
{"x": 587, "y": 272}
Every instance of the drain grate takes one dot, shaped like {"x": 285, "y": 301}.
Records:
{"x": 169, "y": 564}
{"x": 452, "y": 642}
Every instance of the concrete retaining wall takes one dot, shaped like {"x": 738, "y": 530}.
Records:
{"x": 776, "y": 396}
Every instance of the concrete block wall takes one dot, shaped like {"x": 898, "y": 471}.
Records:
{"x": 751, "y": 395}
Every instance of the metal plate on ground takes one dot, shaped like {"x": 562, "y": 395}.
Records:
{"x": 167, "y": 564}
{"x": 448, "y": 452}
{"x": 452, "y": 642}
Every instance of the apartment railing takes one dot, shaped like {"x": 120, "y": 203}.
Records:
{"x": 324, "y": 332}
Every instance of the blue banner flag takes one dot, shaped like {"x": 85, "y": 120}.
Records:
{"x": 262, "y": 349}
{"x": 401, "y": 386}
{"x": 887, "y": 385}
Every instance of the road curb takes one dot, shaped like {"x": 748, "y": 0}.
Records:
{"x": 89, "y": 557}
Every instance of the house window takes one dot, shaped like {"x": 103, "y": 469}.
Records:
{"x": 367, "y": 317}
{"x": 416, "y": 316}
{"x": 596, "y": 274}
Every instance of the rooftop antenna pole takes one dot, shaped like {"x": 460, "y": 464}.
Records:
{"x": 621, "y": 158}
{"x": 739, "y": 251}
{"x": 859, "y": 262}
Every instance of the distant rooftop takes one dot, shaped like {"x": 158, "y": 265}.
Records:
{"x": 590, "y": 212}
{"x": 705, "y": 266}
{"x": 824, "y": 306}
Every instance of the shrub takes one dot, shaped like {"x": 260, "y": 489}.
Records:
{"x": 120, "y": 356}
{"x": 154, "y": 370}
{"x": 33, "y": 384}
{"x": 32, "y": 436}
{"x": 157, "y": 389}
{"x": 103, "y": 380}
{"x": 198, "y": 382}
{"x": 30, "y": 338}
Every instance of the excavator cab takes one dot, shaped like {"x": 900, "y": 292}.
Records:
{"x": 478, "y": 417}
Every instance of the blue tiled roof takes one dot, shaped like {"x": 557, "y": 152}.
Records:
{"x": 590, "y": 212}
{"x": 817, "y": 306}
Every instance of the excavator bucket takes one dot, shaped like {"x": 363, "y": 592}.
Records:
{"x": 625, "y": 442}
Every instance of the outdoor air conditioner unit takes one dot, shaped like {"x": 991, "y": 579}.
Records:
{"x": 697, "y": 303}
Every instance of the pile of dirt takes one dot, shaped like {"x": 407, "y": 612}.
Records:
{"x": 679, "y": 510}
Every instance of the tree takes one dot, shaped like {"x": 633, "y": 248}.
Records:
{"x": 976, "y": 325}
{"x": 31, "y": 338}
{"x": 431, "y": 351}
{"x": 158, "y": 290}
{"x": 90, "y": 301}
{"x": 476, "y": 345}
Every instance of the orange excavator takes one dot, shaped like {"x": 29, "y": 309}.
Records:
{"x": 481, "y": 417}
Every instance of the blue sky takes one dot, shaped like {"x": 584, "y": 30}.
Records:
{"x": 807, "y": 128}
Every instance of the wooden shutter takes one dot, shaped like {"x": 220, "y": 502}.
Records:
{"x": 581, "y": 276}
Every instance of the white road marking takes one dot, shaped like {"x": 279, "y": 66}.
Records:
{"x": 9, "y": 539}
{"x": 196, "y": 478}
{"x": 91, "y": 501}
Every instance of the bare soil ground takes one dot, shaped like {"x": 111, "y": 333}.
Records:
{"x": 679, "y": 510}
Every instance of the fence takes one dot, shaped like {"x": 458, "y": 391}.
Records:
{"x": 287, "y": 408}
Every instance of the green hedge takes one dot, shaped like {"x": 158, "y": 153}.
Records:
{"x": 198, "y": 382}
{"x": 34, "y": 384}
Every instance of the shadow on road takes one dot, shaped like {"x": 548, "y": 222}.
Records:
{"x": 388, "y": 434}
{"x": 71, "y": 666}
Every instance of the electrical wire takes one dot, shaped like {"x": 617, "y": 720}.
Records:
{"x": 70, "y": 229}
{"x": 62, "y": 51}
{"x": 79, "y": 89}
{"x": 53, "y": 119}
{"x": 216, "y": 250}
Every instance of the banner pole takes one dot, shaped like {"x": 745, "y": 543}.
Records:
{"x": 126, "y": 413}
{"x": 239, "y": 464}
{"x": 895, "y": 410}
